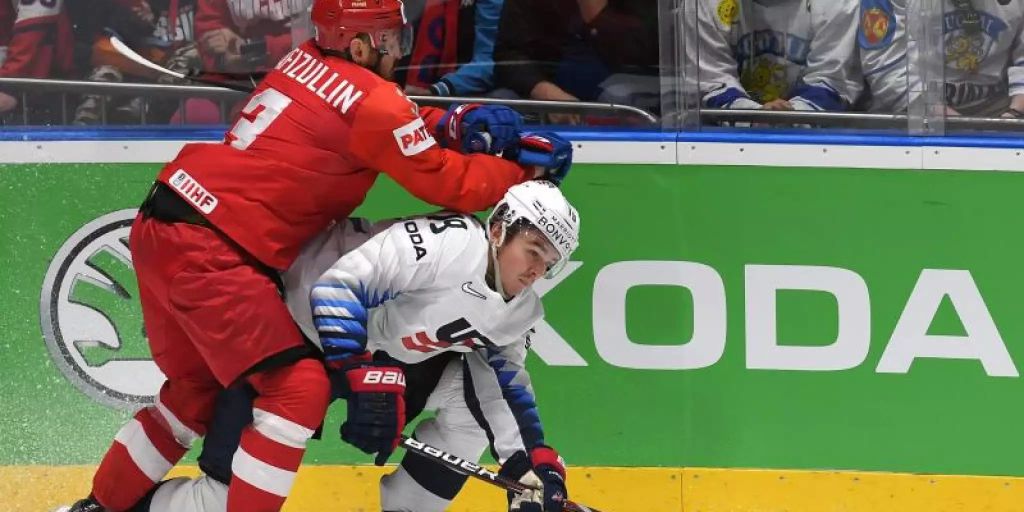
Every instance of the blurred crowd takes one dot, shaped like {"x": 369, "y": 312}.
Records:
{"x": 840, "y": 55}
{"x": 822, "y": 55}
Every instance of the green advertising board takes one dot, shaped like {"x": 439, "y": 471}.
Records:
{"x": 723, "y": 317}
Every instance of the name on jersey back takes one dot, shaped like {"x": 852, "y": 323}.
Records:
{"x": 312, "y": 73}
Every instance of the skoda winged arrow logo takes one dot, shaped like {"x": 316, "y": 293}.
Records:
{"x": 90, "y": 315}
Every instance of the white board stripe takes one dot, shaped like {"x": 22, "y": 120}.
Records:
{"x": 800, "y": 155}
{"x": 995, "y": 159}
{"x": 89, "y": 151}
{"x": 612, "y": 152}
{"x": 596, "y": 152}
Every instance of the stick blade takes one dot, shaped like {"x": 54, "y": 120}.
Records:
{"x": 124, "y": 50}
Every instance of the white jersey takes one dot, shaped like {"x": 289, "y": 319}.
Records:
{"x": 755, "y": 51}
{"x": 984, "y": 62}
{"x": 31, "y": 11}
{"x": 414, "y": 289}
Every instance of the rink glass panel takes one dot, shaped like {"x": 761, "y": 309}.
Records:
{"x": 924, "y": 61}
{"x": 578, "y": 65}
{"x": 911, "y": 58}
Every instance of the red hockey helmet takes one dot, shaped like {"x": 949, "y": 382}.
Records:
{"x": 337, "y": 22}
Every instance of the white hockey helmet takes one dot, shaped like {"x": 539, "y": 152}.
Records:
{"x": 541, "y": 205}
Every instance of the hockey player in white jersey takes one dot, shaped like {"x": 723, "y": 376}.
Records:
{"x": 427, "y": 312}
{"x": 984, "y": 56}
{"x": 776, "y": 54}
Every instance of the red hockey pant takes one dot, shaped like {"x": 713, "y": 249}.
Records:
{"x": 210, "y": 315}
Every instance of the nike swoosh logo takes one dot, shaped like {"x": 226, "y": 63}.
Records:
{"x": 469, "y": 289}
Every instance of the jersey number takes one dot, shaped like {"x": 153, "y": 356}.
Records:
{"x": 454, "y": 220}
{"x": 257, "y": 115}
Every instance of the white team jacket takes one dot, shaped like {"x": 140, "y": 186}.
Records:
{"x": 753, "y": 51}
{"x": 982, "y": 69}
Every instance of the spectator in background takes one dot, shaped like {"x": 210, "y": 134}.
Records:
{"x": 7, "y": 14}
{"x": 161, "y": 30}
{"x": 40, "y": 44}
{"x": 882, "y": 41}
{"x": 984, "y": 56}
{"x": 572, "y": 50}
{"x": 777, "y": 54}
{"x": 453, "y": 52}
{"x": 243, "y": 36}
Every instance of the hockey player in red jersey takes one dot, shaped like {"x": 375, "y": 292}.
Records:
{"x": 305, "y": 150}
{"x": 449, "y": 314}
{"x": 39, "y": 44}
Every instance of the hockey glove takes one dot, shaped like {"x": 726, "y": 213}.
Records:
{"x": 548, "y": 152}
{"x": 547, "y": 477}
{"x": 475, "y": 128}
{"x": 338, "y": 363}
{"x": 376, "y": 408}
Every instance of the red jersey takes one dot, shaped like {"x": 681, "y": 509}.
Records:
{"x": 7, "y": 15}
{"x": 40, "y": 42}
{"x": 308, "y": 146}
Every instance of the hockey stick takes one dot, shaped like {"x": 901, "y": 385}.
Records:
{"x": 132, "y": 55}
{"x": 465, "y": 467}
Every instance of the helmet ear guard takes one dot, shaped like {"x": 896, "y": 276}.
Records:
{"x": 501, "y": 238}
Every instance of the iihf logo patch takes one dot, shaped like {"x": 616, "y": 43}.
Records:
{"x": 191, "y": 190}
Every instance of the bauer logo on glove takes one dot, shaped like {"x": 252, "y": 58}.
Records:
{"x": 381, "y": 377}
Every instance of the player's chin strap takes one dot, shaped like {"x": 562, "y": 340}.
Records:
{"x": 494, "y": 263}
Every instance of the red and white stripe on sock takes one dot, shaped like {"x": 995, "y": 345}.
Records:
{"x": 144, "y": 450}
{"x": 264, "y": 466}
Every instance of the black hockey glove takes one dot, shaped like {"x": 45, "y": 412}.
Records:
{"x": 376, "y": 408}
